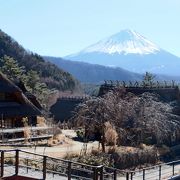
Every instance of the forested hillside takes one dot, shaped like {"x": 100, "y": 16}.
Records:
{"x": 49, "y": 73}
{"x": 93, "y": 73}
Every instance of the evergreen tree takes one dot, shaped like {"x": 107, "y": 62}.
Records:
{"x": 11, "y": 69}
{"x": 148, "y": 79}
{"x": 31, "y": 79}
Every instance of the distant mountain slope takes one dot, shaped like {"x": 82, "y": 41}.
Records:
{"x": 129, "y": 50}
{"x": 92, "y": 73}
{"x": 49, "y": 73}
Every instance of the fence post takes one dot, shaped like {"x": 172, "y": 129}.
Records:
{"x": 44, "y": 166}
{"x": 131, "y": 175}
{"x": 69, "y": 170}
{"x": 127, "y": 176}
{"x": 159, "y": 172}
{"x": 143, "y": 174}
{"x": 27, "y": 164}
{"x": 115, "y": 174}
{"x": 173, "y": 168}
{"x": 2, "y": 163}
{"x": 95, "y": 174}
{"x": 17, "y": 162}
{"x": 101, "y": 172}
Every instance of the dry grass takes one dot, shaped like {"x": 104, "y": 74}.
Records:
{"x": 26, "y": 131}
{"x": 58, "y": 139}
{"x": 70, "y": 156}
{"x": 163, "y": 150}
{"x": 126, "y": 157}
{"x": 41, "y": 121}
{"x": 110, "y": 134}
{"x": 27, "y": 134}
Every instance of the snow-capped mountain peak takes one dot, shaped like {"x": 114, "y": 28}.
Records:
{"x": 124, "y": 42}
{"x": 129, "y": 50}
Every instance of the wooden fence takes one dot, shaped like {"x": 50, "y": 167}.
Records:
{"x": 19, "y": 162}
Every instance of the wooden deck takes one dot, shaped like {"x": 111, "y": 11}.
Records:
{"x": 45, "y": 167}
{"x": 18, "y": 178}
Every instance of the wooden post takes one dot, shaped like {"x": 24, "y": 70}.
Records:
{"x": 69, "y": 170}
{"x": 131, "y": 175}
{"x": 159, "y": 172}
{"x": 95, "y": 174}
{"x": 143, "y": 174}
{"x": 173, "y": 168}
{"x": 17, "y": 162}
{"x": 44, "y": 166}
{"x": 101, "y": 172}
{"x": 115, "y": 174}
{"x": 2, "y": 163}
{"x": 27, "y": 164}
{"x": 127, "y": 176}
{"x": 53, "y": 169}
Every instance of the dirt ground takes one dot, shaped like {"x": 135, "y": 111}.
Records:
{"x": 69, "y": 146}
{"x": 66, "y": 146}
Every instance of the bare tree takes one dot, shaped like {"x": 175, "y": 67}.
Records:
{"x": 137, "y": 119}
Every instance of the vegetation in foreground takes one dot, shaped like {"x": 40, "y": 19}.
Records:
{"x": 146, "y": 122}
{"x": 120, "y": 157}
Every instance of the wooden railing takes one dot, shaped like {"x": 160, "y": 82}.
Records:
{"x": 19, "y": 162}
{"x": 14, "y": 162}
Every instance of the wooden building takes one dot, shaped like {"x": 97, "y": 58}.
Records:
{"x": 16, "y": 111}
{"x": 167, "y": 91}
{"x": 64, "y": 108}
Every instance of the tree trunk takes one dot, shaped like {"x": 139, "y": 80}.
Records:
{"x": 103, "y": 141}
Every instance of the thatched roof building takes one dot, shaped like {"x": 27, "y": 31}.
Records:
{"x": 13, "y": 102}
{"x": 168, "y": 92}
{"x": 29, "y": 95}
{"x": 64, "y": 108}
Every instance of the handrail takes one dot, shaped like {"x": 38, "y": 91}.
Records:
{"x": 155, "y": 166}
{"x": 59, "y": 159}
{"x": 70, "y": 169}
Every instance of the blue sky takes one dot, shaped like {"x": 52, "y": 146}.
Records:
{"x": 62, "y": 27}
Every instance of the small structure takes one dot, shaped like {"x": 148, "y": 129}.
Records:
{"x": 167, "y": 91}
{"x": 64, "y": 108}
{"x": 18, "y": 115}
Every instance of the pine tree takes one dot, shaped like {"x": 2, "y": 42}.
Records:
{"x": 148, "y": 79}
{"x": 11, "y": 69}
{"x": 30, "y": 79}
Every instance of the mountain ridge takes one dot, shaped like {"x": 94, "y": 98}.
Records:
{"x": 132, "y": 52}
{"x": 49, "y": 73}
{"x": 93, "y": 73}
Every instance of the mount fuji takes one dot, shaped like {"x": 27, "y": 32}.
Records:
{"x": 130, "y": 50}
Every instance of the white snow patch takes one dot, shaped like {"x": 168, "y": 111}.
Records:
{"x": 124, "y": 42}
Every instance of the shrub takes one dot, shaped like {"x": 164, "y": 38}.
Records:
{"x": 80, "y": 134}
{"x": 110, "y": 134}
{"x": 134, "y": 157}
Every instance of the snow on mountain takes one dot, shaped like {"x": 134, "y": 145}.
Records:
{"x": 124, "y": 42}
{"x": 129, "y": 50}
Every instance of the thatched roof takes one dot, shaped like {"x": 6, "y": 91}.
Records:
{"x": 64, "y": 108}
{"x": 6, "y": 85}
{"x": 19, "y": 105}
{"x": 33, "y": 99}
{"x": 14, "y": 109}
{"x": 29, "y": 95}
